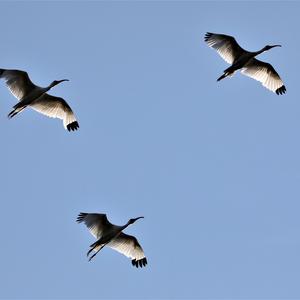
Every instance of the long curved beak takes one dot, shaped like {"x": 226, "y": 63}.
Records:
{"x": 139, "y": 218}
{"x": 63, "y": 80}
{"x": 276, "y": 46}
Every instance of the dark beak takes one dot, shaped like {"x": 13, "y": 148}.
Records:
{"x": 63, "y": 80}
{"x": 276, "y": 46}
{"x": 138, "y": 218}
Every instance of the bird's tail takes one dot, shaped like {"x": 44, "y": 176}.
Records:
{"x": 1, "y": 71}
{"x": 16, "y": 110}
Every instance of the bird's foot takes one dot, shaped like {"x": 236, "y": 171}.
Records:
{"x": 90, "y": 258}
{"x": 89, "y": 252}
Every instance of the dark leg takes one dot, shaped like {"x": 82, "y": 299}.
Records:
{"x": 94, "y": 253}
{"x": 89, "y": 252}
{"x": 15, "y": 111}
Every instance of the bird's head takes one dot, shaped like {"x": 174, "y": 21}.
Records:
{"x": 131, "y": 221}
{"x": 56, "y": 82}
{"x": 268, "y": 47}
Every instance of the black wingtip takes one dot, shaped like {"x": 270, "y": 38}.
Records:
{"x": 73, "y": 126}
{"x": 80, "y": 217}
{"x": 139, "y": 263}
{"x": 207, "y": 36}
{"x": 281, "y": 90}
{"x": 145, "y": 262}
{"x": 1, "y": 71}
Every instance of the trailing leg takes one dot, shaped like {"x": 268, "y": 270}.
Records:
{"x": 95, "y": 248}
{"x": 228, "y": 72}
{"x": 16, "y": 110}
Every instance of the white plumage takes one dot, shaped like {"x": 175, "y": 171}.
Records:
{"x": 111, "y": 235}
{"x": 264, "y": 73}
{"x": 29, "y": 94}
{"x": 226, "y": 46}
{"x": 234, "y": 54}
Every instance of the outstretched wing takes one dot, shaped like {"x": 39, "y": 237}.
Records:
{"x": 129, "y": 246}
{"x": 18, "y": 82}
{"x": 266, "y": 74}
{"x": 226, "y": 46}
{"x": 96, "y": 223}
{"x": 56, "y": 107}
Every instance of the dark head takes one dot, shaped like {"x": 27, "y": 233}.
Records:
{"x": 131, "y": 221}
{"x": 56, "y": 82}
{"x": 268, "y": 47}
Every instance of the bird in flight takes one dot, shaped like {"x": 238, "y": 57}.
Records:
{"x": 29, "y": 94}
{"x": 111, "y": 235}
{"x": 234, "y": 54}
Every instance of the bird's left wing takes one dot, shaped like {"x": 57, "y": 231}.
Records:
{"x": 266, "y": 74}
{"x": 96, "y": 223}
{"x": 225, "y": 45}
{"x": 129, "y": 246}
{"x": 18, "y": 82}
{"x": 56, "y": 107}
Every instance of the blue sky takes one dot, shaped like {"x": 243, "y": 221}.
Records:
{"x": 213, "y": 167}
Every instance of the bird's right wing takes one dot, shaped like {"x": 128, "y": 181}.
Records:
{"x": 266, "y": 74}
{"x": 94, "y": 222}
{"x": 18, "y": 82}
{"x": 225, "y": 45}
{"x": 56, "y": 107}
{"x": 129, "y": 246}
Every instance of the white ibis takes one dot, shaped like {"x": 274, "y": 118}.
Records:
{"x": 232, "y": 53}
{"x": 36, "y": 97}
{"x": 111, "y": 235}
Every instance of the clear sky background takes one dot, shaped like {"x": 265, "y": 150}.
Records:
{"x": 213, "y": 167}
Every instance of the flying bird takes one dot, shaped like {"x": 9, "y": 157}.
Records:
{"x": 234, "y": 54}
{"x": 29, "y": 94}
{"x": 111, "y": 235}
